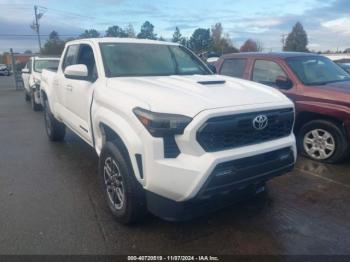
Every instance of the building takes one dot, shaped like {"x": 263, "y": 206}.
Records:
{"x": 20, "y": 58}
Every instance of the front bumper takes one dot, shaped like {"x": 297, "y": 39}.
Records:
{"x": 228, "y": 183}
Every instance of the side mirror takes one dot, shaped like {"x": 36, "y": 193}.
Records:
{"x": 77, "y": 72}
{"x": 212, "y": 68}
{"x": 25, "y": 71}
{"x": 283, "y": 82}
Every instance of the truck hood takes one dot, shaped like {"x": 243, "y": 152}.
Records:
{"x": 188, "y": 95}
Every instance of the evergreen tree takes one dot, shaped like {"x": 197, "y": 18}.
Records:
{"x": 91, "y": 33}
{"x": 147, "y": 31}
{"x": 297, "y": 39}
{"x": 177, "y": 36}
{"x": 54, "y": 45}
{"x": 116, "y": 31}
{"x": 200, "y": 40}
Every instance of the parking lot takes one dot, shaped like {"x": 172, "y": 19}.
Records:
{"x": 52, "y": 203}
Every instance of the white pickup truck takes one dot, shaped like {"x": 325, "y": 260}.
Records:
{"x": 172, "y": 137}
{"x": 31, "y": 76}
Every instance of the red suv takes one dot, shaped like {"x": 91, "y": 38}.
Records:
{"x": 319, "y": 88}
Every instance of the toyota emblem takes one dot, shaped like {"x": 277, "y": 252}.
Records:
{"x": 260, "y": 122}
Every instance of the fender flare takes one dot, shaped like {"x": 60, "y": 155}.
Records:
{"x": 123, "y": 129}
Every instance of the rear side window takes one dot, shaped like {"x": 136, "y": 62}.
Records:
{"x": 266, "y": 72}
{"x": 233, "y": 67}
{"x": 71, "y": 56}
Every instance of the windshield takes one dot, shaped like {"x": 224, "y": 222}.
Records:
{"x": 39, "y": 65}
{"x": 317, "y": 70}
{"x": 125, "y": 59}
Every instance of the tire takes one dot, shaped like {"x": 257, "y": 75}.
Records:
{"x": 55, "y": 130}
{"x": 26, "y": 96}
{"x": 323, "y": 141}
{"x": 124, "y": 194}
{"x": 35, "y": 106}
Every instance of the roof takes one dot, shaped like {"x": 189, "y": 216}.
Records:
{"x": 121, "y": 40}
{"x": 281, "y": 55}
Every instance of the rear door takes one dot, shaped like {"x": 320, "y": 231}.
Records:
{"x": 234, "y": 67}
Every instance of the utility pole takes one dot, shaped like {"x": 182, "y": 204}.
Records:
{"x": 35, "y": 25}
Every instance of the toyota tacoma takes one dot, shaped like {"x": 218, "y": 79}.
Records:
{"x": 172, "y": 137}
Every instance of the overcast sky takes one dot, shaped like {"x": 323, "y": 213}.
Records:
{"x": 327, "y": 22}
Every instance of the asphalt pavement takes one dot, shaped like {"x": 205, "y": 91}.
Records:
{"x": 52, "y": 203}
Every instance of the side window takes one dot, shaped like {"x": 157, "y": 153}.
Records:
{"x": 266, "y": 72}
{"x": 71, "y": 56}
{"x": 233, "y": 67}
{"x": 29, "y": 65}
{"x": 86, "y": 57}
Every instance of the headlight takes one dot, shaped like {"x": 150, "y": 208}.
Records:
{"x": 161, "y": 124}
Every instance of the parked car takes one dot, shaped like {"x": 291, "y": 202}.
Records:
{"x": 4, "y": 70}
{"x": 171, "y": 136}
{"x": 317, "y": 86}
{"x": 31, "y": 76}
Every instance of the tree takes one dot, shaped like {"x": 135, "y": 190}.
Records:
{"x": 115, "y": 31}
{"x": 161, "y": 38}
{"x": 54, "y": 45}
{"x": 249, "y": 46}
{"x": 177, "y": 36}
{"x": 221, "y": 44}
{"x": 28, "y": 51}
{"x": 147, "y": 31}
{"x": 297, "y": 39}
{"x": 200, "y": 40}
{"x": 130, "y": 31}
{"x": 91, "y": 33}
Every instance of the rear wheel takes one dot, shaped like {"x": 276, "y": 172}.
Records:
{"x": 35, "y": 106}
{"x": 124, "y": 194}
{"x": 323, "y": 141}
{"x": 55, "y": 130}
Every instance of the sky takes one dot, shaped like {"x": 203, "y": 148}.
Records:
{"x": 327, "y": 22}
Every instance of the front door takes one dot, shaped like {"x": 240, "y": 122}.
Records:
{"x": 79, "y": 94}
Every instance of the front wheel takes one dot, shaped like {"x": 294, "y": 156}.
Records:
{"x": 323, "y": 141}
{"x": 124, "y": 194}
{"x": 55, "y": 130}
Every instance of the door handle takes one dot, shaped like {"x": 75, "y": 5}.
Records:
{"x": 69, "y": 88}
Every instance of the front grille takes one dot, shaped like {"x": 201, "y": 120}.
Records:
{"x": 227, "y": 132}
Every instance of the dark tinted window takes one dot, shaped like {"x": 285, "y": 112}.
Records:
{"x": 86, "y": 57}
{"x": 71, "y": 56}
{"x": 266, "y": 72}
{"x": 233, "y": 67}
{"x": 126, "y": 59}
